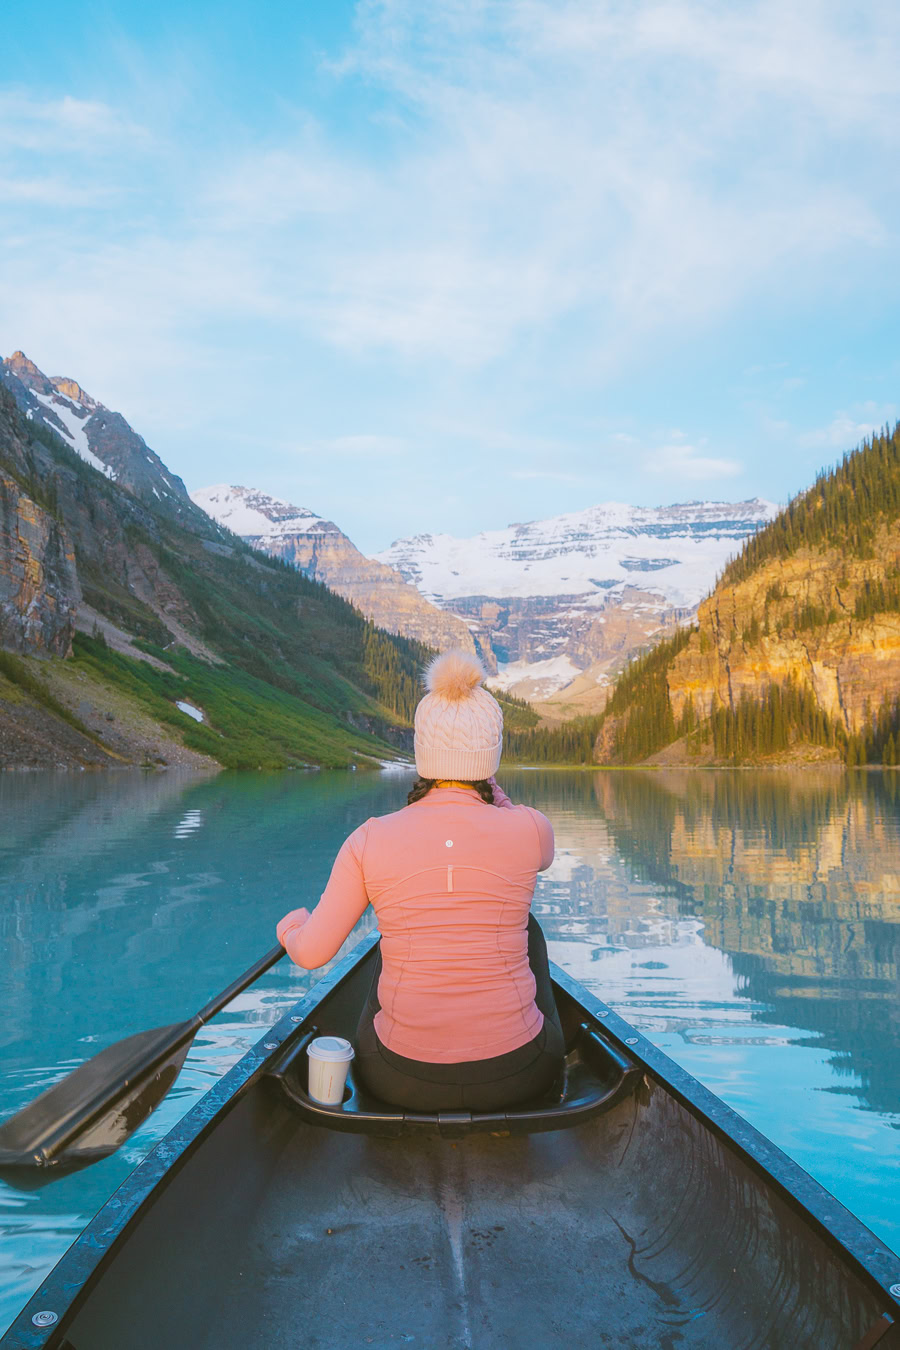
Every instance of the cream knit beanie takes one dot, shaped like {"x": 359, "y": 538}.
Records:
{"x": 459, "y": 725}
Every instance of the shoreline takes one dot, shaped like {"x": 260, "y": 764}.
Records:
{"x": 399, "y": 766}
{"x": 829, "y": 766}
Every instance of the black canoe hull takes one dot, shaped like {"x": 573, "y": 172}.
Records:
{"x": 664, "y": 1221}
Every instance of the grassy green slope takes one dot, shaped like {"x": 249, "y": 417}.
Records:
{"x": 248, "y": 723}
{"x": 269, "y": 621}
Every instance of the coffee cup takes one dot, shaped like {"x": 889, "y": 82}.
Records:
{"x": 329, "y": 1062}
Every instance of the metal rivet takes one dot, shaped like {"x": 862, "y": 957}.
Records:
{"x": 604, "y": 1014}
{"x": 44, "y": 1319}
{"x": 270, "y": 1045}
{"x": 298, "y": 1019}
{"x": 632, "y": 1040}
{"x": 894, "y": 1291}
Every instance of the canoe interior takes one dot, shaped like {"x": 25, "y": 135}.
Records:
{"x": 640, "y": 1227}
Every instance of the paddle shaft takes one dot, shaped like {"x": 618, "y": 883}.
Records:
{"x": 216, "y": 1004}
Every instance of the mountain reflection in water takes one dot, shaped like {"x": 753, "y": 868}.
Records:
{"x": 795, "y": 876}
{"x": 748, "y": 922}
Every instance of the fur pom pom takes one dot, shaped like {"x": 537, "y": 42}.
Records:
{"x": 454, "y": 675}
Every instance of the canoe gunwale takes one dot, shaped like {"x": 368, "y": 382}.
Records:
{"x": 83, "y": 1264}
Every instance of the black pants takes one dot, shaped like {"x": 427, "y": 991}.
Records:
{"x": 474, "y": 1085}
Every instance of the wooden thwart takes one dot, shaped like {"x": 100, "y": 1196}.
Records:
{"x": 876, "y": 1334}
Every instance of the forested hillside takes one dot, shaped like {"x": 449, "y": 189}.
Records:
{"x": 845, "y": 509}
{"x": 131, "y": 614}
{"x": 795, "y": 656}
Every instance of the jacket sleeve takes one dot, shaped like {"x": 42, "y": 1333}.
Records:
{"x": 541, "y": 823}
{"x": 545, "y": 836}
{"x": 342, "y": 904}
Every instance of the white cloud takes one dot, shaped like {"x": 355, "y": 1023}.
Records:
{"x": 680, "y": 460}
{"x": 283, "y": 185}
{"x": 53, "y": 191}
{"x": 64, "y": 125}
{"x": 846, "y": 430}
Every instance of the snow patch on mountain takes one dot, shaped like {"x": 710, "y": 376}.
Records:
{"x": 189, "y": 709}
{"x": 73, "y": 429}
{"x": 256, "y": 515}
{"x": 543, "y": 677}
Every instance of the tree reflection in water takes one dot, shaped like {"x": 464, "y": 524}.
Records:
{"x": 796, "y": 877}
{"x": 749, "y": 923}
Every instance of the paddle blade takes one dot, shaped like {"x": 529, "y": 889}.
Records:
{"x": 88, "y": 1114}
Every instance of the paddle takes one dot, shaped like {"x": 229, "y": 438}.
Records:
{"x": 89, "y": 1113}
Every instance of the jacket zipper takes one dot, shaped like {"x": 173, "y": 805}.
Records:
{"x": 450, "y": 879}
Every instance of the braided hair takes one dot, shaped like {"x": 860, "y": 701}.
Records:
{"x": 422, "y": 786}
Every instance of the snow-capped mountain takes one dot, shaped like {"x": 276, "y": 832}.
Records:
{"x": 673, "y": 551}
{"x": 262, "y": 520}
{"x": 551, "y": 598}
{"x": 317, "y": 547}
{"x": 99, "y": 436}
{"x": 267, "y": 523}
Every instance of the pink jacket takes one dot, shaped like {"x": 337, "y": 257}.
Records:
{"x": 451, "y": 880}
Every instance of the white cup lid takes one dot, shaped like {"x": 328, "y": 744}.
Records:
{"x": 332, "y": 1048}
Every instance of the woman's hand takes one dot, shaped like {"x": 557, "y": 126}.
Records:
{"x": 296, "y": 919}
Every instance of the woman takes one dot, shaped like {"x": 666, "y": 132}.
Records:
{"x": 461, "y": 1013}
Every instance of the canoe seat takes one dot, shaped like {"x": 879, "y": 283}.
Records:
{"x": 597, "y": 1076}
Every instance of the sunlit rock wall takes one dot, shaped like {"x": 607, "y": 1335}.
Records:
{"x": 849, "y": 663}
{"x": 39, "y": 591}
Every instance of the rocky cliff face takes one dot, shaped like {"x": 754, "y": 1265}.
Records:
{"x": 99, "y": 436}
{"x": 73, "y": 544}
{"x": 321, "y": 551}
{"x": 751, "y": 635}
{"x": 552, "y": 599}
{"x": 39, "y": 590}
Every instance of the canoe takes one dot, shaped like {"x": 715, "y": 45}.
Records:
{"x": 630, "y": 1208}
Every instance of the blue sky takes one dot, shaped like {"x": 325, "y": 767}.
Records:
{"x": 429, "y": 265}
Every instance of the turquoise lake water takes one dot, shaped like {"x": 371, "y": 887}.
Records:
{"x": 749, "y": 923}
